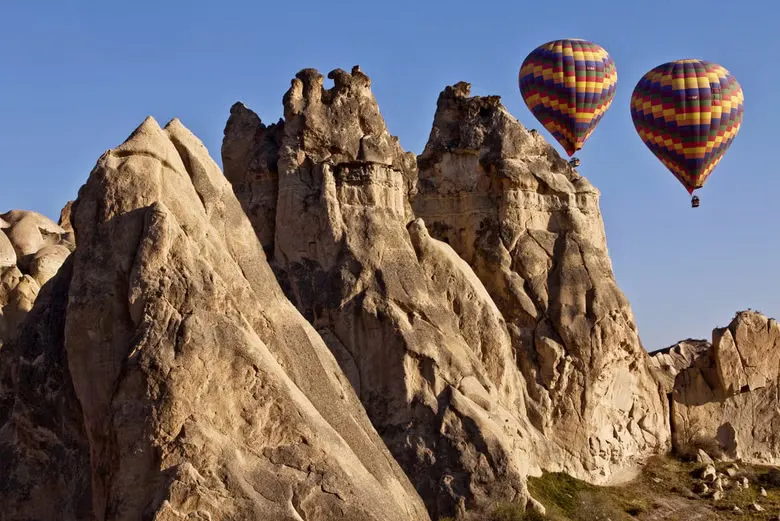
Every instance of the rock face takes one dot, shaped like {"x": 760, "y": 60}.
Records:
{"x": 413, "y": 328}
{"x": 666, "y": 364}
{"x": 729, "y": 392}
{"x": 32, "y": 249}
{"x": 531, "y": 229}
{"x": 202, "y": 392}
{"x": 249, "y": 156}
{"x": 43, "y": 445}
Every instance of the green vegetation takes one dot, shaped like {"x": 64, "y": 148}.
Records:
{"x": 663, "y": 491}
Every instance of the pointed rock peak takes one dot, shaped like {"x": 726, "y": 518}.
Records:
{"x": 176, "y": 128}
{"x": 175, "y": 122}
{"x": 149, "y": 124}
{"x": 148, "y": 131}
{"x": 150, "y": 140}
{"x": 188, "y": 145}
{"x": 241, "y": 112}
{"x": 65, "y": 213}
{"x": 182, "y": 136}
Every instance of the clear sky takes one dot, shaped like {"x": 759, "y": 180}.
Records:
{"x": 76, "y": 77}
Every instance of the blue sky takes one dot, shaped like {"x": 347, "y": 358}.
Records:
{"x": 77, "y": 77}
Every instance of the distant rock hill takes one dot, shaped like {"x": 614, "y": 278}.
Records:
{"x": 334, "y": 328}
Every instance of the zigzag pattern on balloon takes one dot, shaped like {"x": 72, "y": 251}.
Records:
{"x": 568, "y": 85}
{"x": 688, "y": 112}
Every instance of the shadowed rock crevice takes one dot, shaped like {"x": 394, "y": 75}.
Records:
{"x": 43, "y": 446}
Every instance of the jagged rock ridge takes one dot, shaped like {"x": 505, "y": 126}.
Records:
{"x": 415, "y": 331}
{"x": 464, "y": 298}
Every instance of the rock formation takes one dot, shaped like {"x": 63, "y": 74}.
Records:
{"x": 44, "y": 454}
{"x": 204, "y": 393}
{"x": 521, "y": 305}
{"x": 32, "y": 249}
{"x": 666, "y": 364}
{"x": 337, "y": 329}
{"x": 415, "y": 331}
{"x": 531, "y": 229}
{"x": 729, "y": 390}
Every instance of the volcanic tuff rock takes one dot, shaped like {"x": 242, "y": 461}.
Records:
{"x": 666, "y": 364}
{"x": 531, "y": 229}
{"x": 32, "y": 249}
{"x": 43, "y": 446}
{"x": 730, "y": 391}
{"x": 413, "y": 328}
{"x": 465, "y": 297}
{"x": 204, "y": 393}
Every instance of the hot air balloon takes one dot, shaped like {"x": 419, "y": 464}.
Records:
{"x": 688, "y": 112}
{"x": 568, "y": 85}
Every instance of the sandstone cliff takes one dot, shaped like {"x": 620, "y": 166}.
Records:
{"x": 202, "y": 392}
{"x": 728, "y": 390}
{"x": 531, "y": 229}
{"x": 415, "y": 331}
{"x": 44, "y": 453}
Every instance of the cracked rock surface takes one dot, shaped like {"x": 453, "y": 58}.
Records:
{"x": 728, "y": 392}
{"x": 531, "y": 229}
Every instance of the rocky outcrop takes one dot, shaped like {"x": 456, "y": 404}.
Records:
{"x": 531, "y": 229}
{"x": 335, "y": 329}
{"x": 32, "y": 250}
{"x": 198, "y": 391}
{"x": 226, "y": 403}
{"x": 414, "y": 329}
{"x": 249, "y": 158}
{"x": 666, "y": 364}
{"x": 729, "y": 392}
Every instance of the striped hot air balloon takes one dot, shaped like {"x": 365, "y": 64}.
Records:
{"x": 568, "y": 85}
{"x": 688, "y": 112}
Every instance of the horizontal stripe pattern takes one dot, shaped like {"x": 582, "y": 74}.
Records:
{"x": 568, "y": 85}
{"x": 688, "y": 112}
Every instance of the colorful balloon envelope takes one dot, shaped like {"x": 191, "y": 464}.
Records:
{"x": 688, "y": 112}
{"x": 568, "y": 85}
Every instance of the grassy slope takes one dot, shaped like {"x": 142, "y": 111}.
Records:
{"x": 661, "y": 492}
